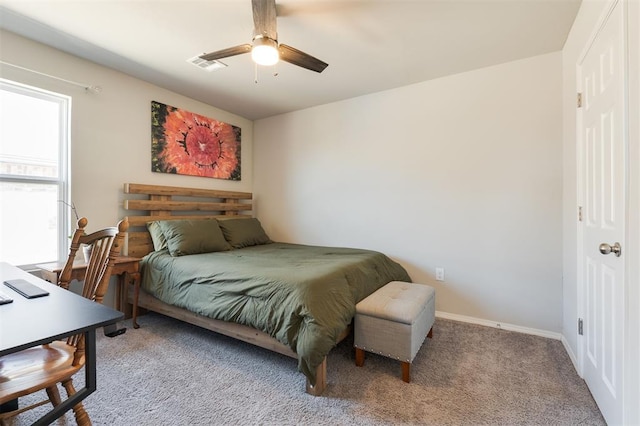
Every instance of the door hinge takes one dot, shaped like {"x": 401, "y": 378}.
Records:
{"x": 579, "y": 213}
{"x": 579, "y": 100}
{"x": 580, "y": 326}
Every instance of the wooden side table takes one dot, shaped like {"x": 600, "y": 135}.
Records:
{"x": 126, "y": 269}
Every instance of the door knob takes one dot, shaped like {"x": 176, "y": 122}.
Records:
{"x": 615, "y": 249}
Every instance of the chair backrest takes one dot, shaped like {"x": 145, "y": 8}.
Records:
{"x": 106, "y": 245}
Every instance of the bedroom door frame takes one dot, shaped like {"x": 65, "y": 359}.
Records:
{"x": 632, "y": 388}
{"x": 631, "y": 320}
{"x": 602, "y": 148}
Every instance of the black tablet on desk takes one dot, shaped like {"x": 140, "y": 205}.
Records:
{"x": 25, "y": 288}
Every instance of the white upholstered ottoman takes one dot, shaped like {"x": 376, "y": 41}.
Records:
{"x": 394, "y": 322}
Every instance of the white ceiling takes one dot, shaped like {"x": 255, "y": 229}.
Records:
{"x": 370, "y": 45}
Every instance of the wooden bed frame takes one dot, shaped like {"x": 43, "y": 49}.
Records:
{"x": 168, "y": 202}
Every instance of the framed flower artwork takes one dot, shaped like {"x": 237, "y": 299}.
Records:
{"x": 186, "y": 143}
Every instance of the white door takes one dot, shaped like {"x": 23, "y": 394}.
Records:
{"x": 602, "y": 77}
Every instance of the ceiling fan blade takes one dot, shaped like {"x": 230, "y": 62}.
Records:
{"x": 225, "y": 53}
{"x": 301, "y": 59}
{"x": 264, "y": 18}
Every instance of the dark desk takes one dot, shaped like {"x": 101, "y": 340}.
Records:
{"x": 31, "y": 322}
{"x": 125, "y": 268}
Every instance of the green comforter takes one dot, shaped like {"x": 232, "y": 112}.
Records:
{"x": 304, "y": 296}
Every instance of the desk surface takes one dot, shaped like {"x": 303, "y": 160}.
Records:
{"x": 31, "y": 322}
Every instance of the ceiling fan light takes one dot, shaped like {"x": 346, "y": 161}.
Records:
{"x": 265, "y": 51}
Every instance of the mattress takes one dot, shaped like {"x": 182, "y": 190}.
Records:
{"x": 303, "y": 296}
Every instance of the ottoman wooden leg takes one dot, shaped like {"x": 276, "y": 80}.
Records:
{"x": 430, "y": 333}
{"x": 406, "y": 371}
{"x": 359, "y": 357}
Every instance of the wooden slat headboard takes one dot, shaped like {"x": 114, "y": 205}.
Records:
{"x": 171, "y": 202}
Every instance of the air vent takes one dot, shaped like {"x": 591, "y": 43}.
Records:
{"x": 206, "y": 65}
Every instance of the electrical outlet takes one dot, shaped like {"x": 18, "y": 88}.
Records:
{"x": 439, "y": 274}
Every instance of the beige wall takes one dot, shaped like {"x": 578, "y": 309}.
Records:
{"x": 111, "y": 130}
{"x": 463, "y": 172}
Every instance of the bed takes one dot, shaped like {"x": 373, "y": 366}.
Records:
{"x": 207, "y": 261}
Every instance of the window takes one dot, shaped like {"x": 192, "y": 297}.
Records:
{"x": 34, "y": 184}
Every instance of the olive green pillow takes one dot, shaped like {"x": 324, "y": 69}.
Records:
{"x": 193, "y": 236}
{"x": 157, "y": 236}
{"x": 244, "y": 232}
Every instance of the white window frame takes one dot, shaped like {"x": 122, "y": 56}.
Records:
{"x": 63, "y": 180}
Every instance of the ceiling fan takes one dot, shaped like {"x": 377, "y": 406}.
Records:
{"x": 264, "y": 47}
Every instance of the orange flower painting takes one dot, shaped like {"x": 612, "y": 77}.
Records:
{"x": 190, "y": 144}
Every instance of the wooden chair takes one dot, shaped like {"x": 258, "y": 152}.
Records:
{"x": 45, "y": 366}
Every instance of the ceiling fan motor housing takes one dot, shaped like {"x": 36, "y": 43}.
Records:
{"x": 264, "y": 50}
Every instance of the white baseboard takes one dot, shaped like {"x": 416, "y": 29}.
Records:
{"x": 572, "y": 356}
{"x": 502, "y": 326}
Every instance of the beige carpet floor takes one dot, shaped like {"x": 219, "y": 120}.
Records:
{"x": 171, "y": 373}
